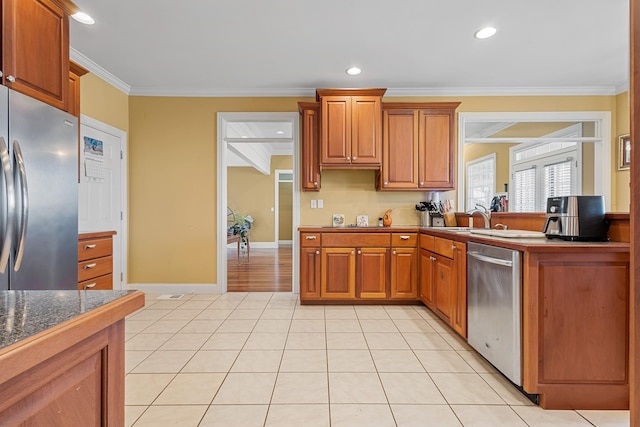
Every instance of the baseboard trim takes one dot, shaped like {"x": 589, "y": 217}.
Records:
{"x": 257, "y": 245}
{"x": 176, "y": 288}
{"x": 285, "y": 243}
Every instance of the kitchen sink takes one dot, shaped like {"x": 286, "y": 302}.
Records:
{"x": 508, "y": 233}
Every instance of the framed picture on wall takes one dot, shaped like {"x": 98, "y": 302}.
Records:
{"x": 624, "y": 152}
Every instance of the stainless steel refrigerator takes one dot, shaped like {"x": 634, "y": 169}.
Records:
{"x": 38, "y": 195}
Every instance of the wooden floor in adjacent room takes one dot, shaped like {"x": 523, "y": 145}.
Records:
{"x": 268, "y": 270}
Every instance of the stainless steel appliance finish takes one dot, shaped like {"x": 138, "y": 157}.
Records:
{"x": 39, "y": 195}
{"x": 576, "y": 218}
{"x": 494, "y": 307}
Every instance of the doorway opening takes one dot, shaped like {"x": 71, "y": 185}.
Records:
{"x": 254, "y": 150}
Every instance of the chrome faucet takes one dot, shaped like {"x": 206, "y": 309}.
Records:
{"x": 484, "y": 212}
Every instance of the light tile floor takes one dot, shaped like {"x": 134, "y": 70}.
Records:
{"x": 262, "y": 359}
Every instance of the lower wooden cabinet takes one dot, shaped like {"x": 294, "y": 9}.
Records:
{"x": 371, "y": 277}
{"x": 95, "y": 261}
{"x": 443, "y": 280}
{"x": 358, "y": 266}
{"x": 338, "y": 273}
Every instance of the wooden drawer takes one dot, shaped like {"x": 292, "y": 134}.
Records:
{"x": 98, "y": 283}
{"x": 94, "y": 268}
{"x": 404, "y": 239}
{"x": 311, "y": 240}
{"x": 427, "y": 242}
{"x": 352, "y": 240}
{"x": 94, "y": 248}
{"x": 443, "y": 247}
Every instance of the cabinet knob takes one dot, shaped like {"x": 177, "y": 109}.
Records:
{"x": 317, "y": 252}
{"x": 352, "y": 253}
{"x": 1, "y": 74}
{"x": 421, "y": 182}
{"x": 386, "y": 183}
{"x": 348, "y": 158}
{"x": 432, "y": 258}
{"x": 359, "y": 252}
{"x": 315, "y": 183}
{"x": 394, "y": 252}
{"x": 11, "y": 79}
{"x": 453, "y": 247}
{"x": 355, "y": 158}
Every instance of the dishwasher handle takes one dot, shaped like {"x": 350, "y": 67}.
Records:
{"x": 492, "y": 260}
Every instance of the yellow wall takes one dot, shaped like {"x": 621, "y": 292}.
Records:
{"x": 172, "y": 173}
{"x": 250, "y": 192}
{"x": 622, "y": 181}
{"x": 103, "y": 102}
{"x": 172, "y": 184}
{"x": 285, "y": 211}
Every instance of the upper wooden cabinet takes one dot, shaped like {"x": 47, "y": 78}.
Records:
{"x": 35, "y": 48}
{"x": 418, "y": 146}
{"x": 350, "y": 128}
{"x": 310, "y": 144}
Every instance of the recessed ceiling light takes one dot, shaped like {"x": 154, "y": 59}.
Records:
{"x": 83, "y": 18}
{"x": 353, "y": 71}
{"x": 485, "y": 33}
{"x": 244, "y": 136}
{"x": 280, "y": 132}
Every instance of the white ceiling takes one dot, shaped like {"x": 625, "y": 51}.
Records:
{"x": 412, "y": 47}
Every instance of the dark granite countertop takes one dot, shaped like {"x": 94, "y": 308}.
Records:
{"x": 27, "y": 313}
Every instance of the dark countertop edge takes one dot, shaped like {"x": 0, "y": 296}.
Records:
{"x": 521, "y": 244}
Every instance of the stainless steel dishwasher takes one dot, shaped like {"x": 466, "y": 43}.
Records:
{"x": 494, "y": 307}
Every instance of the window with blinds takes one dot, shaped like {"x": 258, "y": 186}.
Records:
{"x": 524, "y": 184}
{"x": 544, "y": 170}
{"x": 481, "y": 181}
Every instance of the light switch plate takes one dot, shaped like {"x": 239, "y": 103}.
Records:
{"x": 320, "y": 204}
{"x": 313, "y": 204}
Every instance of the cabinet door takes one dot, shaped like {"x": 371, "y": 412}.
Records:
{"x": 338, "y": 278}
{"x": 372, "y": 270}
{"x": 309, "y": 273}
{"x": 399, "y": 150}
{"x": 35, "y": 50}
{"x": 459, "y": 321}
{"x": 404, "y": 273}
{"x": 336, "y": 129}
{"x": 435, "y": 150}
{"x": 366, "y": 130}
{"x": 444, "y": 290}
{"x": 427, "y": 262}
{"x": 310, "y": 173}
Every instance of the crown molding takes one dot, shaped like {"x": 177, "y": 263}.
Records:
{"x": 96, "y": 69}
{"x": 404, "y": 92}
{"x": 622, "y": 88}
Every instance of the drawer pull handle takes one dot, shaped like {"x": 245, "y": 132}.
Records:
{"x": 88, "y": 266}
{"x": 310, "y": 237}
{"x": 89, "y": 246}
{"x": 90, "y": 285}
{"x": 404, "y": 237}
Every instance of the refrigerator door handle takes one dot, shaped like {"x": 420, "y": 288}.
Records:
{"x": 24, "y": 217}
{"x": 11, "y": 205}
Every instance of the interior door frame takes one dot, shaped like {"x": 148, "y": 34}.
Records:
{"x": 221, "y": 176}
{"x": 124, "y": 207}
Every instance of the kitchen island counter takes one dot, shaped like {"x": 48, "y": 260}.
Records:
{"x": 62, "y": 356}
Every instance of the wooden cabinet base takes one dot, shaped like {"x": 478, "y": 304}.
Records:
{"x": 70, "y": 375}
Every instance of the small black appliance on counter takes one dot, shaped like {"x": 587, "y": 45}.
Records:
{"x": 576, "y": 218}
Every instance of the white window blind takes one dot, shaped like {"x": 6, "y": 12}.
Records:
{"x": 524, "y": 186}
{"x": 481, "y": 181}
{"x": 558, "y": 179}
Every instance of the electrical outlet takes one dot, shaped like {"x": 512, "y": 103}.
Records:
{"x": 320, "y": 204}
{"x": 313, "y": 204}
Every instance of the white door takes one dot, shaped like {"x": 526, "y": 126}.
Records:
{"x": 100, "y": 205}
